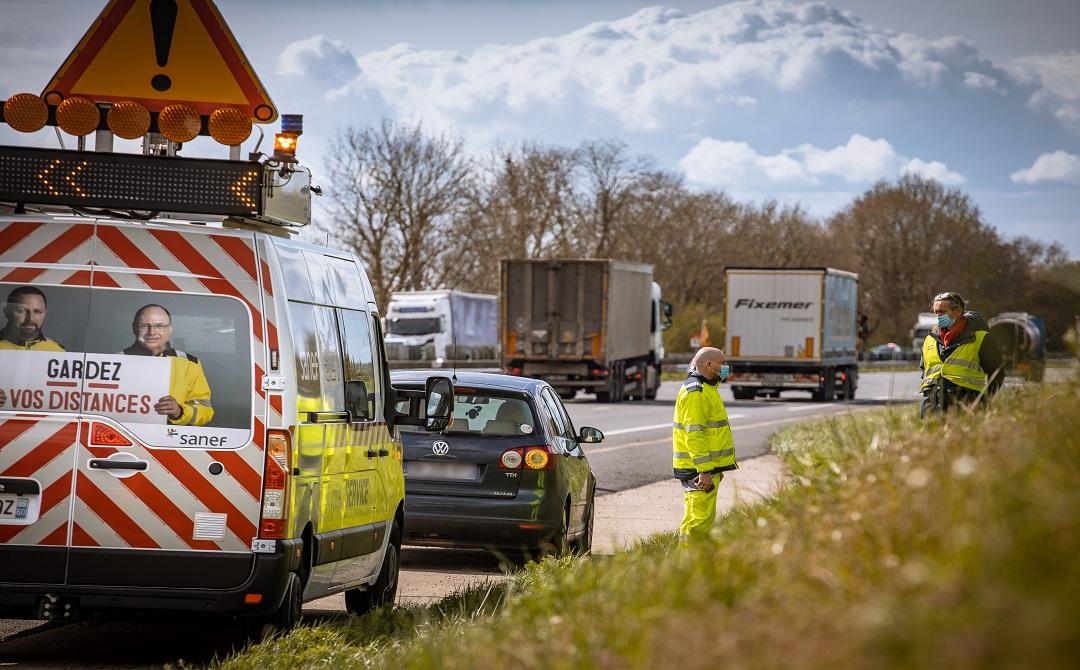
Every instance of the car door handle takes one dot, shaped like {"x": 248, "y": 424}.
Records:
{"x": 106, "y": 464}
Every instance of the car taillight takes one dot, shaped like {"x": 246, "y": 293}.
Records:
{"x": 275, "y": 508}
{"x": 511, "y": 460}
{"x": 539, "y": 458}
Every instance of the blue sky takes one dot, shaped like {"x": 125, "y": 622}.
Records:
{"x": 801, "y": 101}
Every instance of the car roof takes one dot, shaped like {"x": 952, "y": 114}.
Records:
{"x": 478, "y": 380}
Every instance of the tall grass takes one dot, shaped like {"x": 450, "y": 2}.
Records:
{"x": 897, "y": 543}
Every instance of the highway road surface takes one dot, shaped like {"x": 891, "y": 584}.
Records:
{"x": 636, "y": 452}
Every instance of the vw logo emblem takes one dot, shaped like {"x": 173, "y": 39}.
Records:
{"x": 440, "y": 448}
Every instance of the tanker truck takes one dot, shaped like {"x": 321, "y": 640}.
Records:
{"x": 1022, "y": 339}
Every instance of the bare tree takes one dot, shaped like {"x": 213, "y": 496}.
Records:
{"x": 397, "y": 193}
{"x": 608, "y": 179}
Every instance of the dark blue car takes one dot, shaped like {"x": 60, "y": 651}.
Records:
{"x": 508, "y": 474}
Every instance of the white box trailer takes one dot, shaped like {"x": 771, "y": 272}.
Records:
{"x": 791, "y": 329}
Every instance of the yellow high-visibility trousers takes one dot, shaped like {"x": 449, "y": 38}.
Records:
{"x": 699, "y": 510}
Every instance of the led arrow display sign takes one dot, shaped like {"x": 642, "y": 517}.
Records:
{"x": 125, "y": 181}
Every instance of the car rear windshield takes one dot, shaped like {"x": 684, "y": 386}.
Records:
{"x": 487, "y": 414}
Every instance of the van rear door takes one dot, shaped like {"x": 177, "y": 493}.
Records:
{"x": 44, "y": 270}
{"x": 169, "y": 465}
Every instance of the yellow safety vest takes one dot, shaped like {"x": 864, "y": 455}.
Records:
{"x": 41, "y": 344}
{"x": 701, "y": 437}
{"x": 962, "y": 367}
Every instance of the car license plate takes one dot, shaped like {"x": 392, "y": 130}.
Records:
{"x": 13, "y": 506}
{"x": 440, "y": 470}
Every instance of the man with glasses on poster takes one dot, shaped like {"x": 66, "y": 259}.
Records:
{"x": 188, "y": 402}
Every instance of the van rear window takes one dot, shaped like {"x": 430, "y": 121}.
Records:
{"x": 175, "y": 369}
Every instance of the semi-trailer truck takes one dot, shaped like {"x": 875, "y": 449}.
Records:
{"x": 592, "y": 325}
{"x": 442, "y": 325}
{"x": 791, "y": 329}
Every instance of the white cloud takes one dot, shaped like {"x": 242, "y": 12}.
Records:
{"x": 861, "y": 160}
{"x": 318, "y": 58}
{"x": 978, "y": 80}
{"x": 1058, "y": 78}
{"x": 935, "y": 170}
{"x": 642, "y": 68}
{"x": 1057, "y": 166}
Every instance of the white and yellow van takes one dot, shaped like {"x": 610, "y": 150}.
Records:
{"x": 193, "y": 417}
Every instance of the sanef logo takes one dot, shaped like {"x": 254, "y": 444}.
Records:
{"x": 440, "y": 448}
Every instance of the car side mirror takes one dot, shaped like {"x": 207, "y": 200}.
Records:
{"x": 356, "y": 400}
{"x": 438, "y": 404}
{"x": 590, "y": 435}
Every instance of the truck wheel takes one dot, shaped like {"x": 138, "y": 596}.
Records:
{"x": 741, "y": 393}
{"x": 825, "y": 393}
{"x": 567, "y": 394}
{"x": 384, "y": 590}
{"x": 284, "y": 619}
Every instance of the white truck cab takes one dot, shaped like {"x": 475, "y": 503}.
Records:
{"x": 442, "y": 325}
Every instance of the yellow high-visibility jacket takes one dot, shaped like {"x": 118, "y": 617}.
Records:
{"x": 701, "y": 436}
{"x": 39, "y": 343}
{"x": 187, "y": 385}
{"x": 962, "y": 367}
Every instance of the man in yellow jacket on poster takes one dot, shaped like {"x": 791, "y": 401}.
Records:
{"x": 702, "y": 444}
{"x": 188, "y": 402}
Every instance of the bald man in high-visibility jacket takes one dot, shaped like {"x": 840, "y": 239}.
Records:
{"x": 702, "y": 444}
{"x": 188, "y": 402}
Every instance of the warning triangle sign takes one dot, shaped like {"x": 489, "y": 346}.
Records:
{"x": 162, "y": 52}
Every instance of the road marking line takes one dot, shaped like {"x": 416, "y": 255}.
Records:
{"x": 637, "y": 429}
{"x": 601, "y": 408}
{"x": 802, "y": 408}
{"x": 883, "y": 397}
{"x": 761, "y": 424}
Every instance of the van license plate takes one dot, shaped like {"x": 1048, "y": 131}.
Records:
{"x": 13, "y": 506}
{"x": 440, "y": 470}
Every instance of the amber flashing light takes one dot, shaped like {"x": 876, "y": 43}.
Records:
{"x": 26, "y": 112}
{"x": 179, "y": 123}
{"x": 78, "y": 116}
{"x": 128, "y": 120}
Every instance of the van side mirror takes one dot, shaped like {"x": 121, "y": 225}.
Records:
{"x": 356, "y": 400}
{"x": 590, "y": 435}
{"x": 438, "y": 404}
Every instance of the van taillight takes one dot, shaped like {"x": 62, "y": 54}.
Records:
{"x": 275, "y": 509}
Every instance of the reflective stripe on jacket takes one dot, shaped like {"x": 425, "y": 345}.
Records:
{"x": 962, "y": 367}
{"x": 701, "y": 436}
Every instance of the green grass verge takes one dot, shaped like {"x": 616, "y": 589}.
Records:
{"x": 896, "y": 544}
